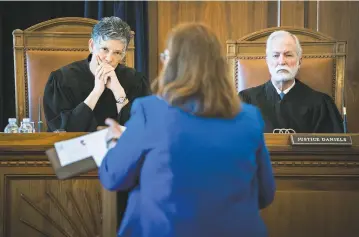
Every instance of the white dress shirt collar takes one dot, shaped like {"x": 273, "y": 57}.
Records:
{"x": 286, "y": 90}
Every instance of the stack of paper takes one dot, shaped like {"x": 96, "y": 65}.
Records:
{"x": 78, "y": 155}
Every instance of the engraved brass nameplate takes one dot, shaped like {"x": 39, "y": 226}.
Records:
{"x": 321, "y": 140}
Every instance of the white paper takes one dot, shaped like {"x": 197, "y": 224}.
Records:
{"x": 76, "y": 149}
{"x": 97, "y": 146}
{"x": 71, "y": 151}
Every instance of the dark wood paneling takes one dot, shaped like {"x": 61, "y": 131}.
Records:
{"x": 153, "y": 40}
{"x": 41, "y": 204}
{"x": 33, "y": 202}
{"x": 311, "y": 14}
{"x": 272, "y": 15}
{"x": 317, "y": 191}
{"x": 230, "y": 20}
{"x": 340, "y": 20}
{"x": 292, "y": 13}
{"x": 314, "y": 207}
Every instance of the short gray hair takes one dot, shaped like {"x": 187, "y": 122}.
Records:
{"x": 111, "y": 28}
{"x": 281, "y": 33}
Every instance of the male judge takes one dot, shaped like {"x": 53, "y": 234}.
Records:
{"x": 80, "y": 96}
{"x": 286, "y": 102}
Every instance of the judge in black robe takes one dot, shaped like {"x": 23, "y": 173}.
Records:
{"x": 69, "y": 86}
{"x": 79, "y": 97}
{"x": 302, "y": 109}
{"x": 64, "y": 106}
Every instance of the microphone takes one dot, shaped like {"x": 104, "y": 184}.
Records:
{"x": 344, "y": 109}
{"x": 345, "y": 119}
{"x": 39, "y": 122}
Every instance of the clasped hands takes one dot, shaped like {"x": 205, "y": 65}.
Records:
{"x": 105, "y": 76}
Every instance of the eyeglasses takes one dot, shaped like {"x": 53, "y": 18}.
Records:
{"x": 117, "y": 54}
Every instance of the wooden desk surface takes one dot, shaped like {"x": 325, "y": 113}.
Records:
{"x": 46, "y": 140}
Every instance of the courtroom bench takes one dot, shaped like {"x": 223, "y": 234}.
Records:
{"x": 317, "y": 191}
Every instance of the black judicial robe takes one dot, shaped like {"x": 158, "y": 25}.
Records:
{"x": 302, "y": 109}
{"x": 69, "y": 86}
{"x": 64, "y": 106}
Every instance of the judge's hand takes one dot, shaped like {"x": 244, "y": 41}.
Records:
{"x": 100, "y": 83}
{"x": 114, "y": 132}
{"x": 110, "y": 78}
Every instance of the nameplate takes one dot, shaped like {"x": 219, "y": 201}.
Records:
{"x": 320, "y": 140}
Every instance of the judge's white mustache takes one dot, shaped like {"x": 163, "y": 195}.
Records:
{"x": 288, "y": 69}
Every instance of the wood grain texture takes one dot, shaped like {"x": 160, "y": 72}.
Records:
{"x": 233, "y": 20}
{"x": 340, "y": 20}
{"x": 35, "y": 203}
{"x": 32, "y": 141}
{"x": 230, "y": 20}
{"x": 43, "y": 204}
{"x": 272, "y": 15}
{"x": 311, "y": 15}
{"x": 292, "y": 13}
{"x": 315, "y": 183}
{"x": 153, "y": 40}
{"x": 314, "y": 206}
{"x": 40, "y": 142}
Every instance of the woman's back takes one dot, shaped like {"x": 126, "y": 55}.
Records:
{"x": 199, "y": 177}
{"x": 192, "y": 157}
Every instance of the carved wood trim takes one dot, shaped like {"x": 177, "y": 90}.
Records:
{"x": 24, "y": 163}
{"x": 54, "y": 49}
{"x": 89, "y": 225}
{"x": 53, "y": 22}
{"x": 334, "y": 82}
{"x": 95, "y": 231}
{"x": 236, "y": 74}
{"x": 297, "y": 31}
{"x": 315, "y": 163}
{"x": 304, "y": 56}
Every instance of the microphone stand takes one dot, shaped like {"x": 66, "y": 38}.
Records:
{"x": 39, "y": 122}
{"x": 345, "y": 119}
{"x": 344, "y": 109}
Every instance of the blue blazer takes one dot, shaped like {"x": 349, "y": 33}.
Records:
{"x": 190, "y": 176}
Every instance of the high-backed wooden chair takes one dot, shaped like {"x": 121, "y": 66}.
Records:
{"x": 322, "y": 68}
{"x": 43, "y": 48}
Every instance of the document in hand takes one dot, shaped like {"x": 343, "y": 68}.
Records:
{"x": 78, "y": 155}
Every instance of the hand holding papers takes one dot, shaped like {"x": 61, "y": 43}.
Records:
{"x": 114, "y": 132}
{"x": 76, "y": 149}
{"x": 82, "y": 154}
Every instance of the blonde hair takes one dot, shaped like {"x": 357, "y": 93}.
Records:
{"x": 196, "y": 76}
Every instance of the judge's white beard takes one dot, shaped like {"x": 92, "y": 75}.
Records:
{"x": 283, "y": 76}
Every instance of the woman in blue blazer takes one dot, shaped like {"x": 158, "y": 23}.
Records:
{"x": 193, "y": 157}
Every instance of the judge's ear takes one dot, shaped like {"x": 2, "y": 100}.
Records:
{"x": 300, "y": 61}
{"x": 91, "y": 45}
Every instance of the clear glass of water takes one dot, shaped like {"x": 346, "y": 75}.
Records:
{"x": 33, "y": 127}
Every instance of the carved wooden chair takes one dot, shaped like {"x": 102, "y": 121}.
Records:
{"x": 45, "y": 47}
{"x": 323, "y": 63}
